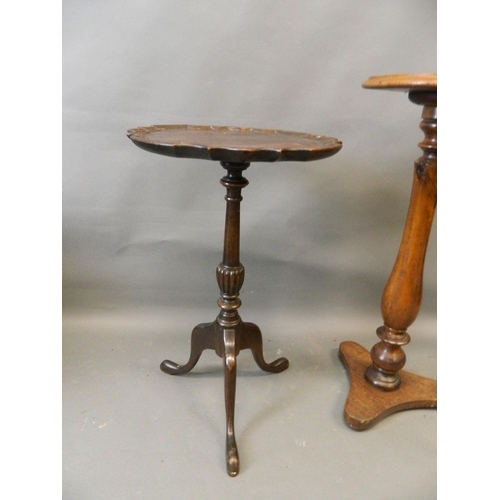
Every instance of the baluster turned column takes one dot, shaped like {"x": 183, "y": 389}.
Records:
{"x": 403, "y": 293}
{"x": 379, "y": 386}
{"x": 230, "y": 272}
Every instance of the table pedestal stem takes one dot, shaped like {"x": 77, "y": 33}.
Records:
{"x": 228, "y": 334}
{"x": 381, "y": 371}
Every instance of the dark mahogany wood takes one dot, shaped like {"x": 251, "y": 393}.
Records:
{"x": 234, "y": 147}
{"x": 402, "y": 296}
{"x": 233, "y": 144}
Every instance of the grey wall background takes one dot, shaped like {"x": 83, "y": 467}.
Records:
{"x": 142, "y": 234}
{"x": 290, "y": 65}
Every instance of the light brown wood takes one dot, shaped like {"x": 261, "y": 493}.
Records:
{"x": 384, "y": 387}
{"x": 366, "y": 405}
{"x": 403, "y": 293}
{"x": 403, "y": 82}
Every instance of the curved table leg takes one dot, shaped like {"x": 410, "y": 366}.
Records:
{"x": 203, "y": 337}
{"x": 253, "y": 340}
{"x": 232, "y": 459}
{"x": 227, "y": 343}
{"x": 228, "y": 335}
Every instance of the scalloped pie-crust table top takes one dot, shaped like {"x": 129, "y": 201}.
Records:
{"x": 233, "y": 144}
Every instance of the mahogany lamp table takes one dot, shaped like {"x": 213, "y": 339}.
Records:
{"x": 235, "y": 148}
{"x": 378, "y": 385}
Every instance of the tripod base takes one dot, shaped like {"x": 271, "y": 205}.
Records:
{"x": 227, "y": 342}
{"x": 367, "y": 405}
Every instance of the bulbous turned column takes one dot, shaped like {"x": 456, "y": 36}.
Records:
{"x": 402, "y": 296}
{"x": 379, "y": 385}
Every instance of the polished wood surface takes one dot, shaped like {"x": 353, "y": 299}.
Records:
{"x": 366, "y": 406}
{"x": 402, "y": 296}
{"x": 403, "y": 293}
{"x": 405, "y": 82}
{"x": 233, "y": 144}
{"x": 228, "y": 334}
{"x": 234, "y": 147}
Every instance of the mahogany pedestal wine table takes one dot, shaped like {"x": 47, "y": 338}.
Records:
{"x": 378, "y": 385}
{"x": 235, "y": 148}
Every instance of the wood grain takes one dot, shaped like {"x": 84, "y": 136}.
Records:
{"x": 403, "y": 82}
{"x": 233, "y": 144}
{"x": 366, "y": 405}
{"x": 379, "y": 386}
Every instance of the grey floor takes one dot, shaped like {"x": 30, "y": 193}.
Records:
{"x": 130, "y": 431}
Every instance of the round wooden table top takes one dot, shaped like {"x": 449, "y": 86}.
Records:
{"x": 233, "y": 144}
{"x": 426, "y": 82}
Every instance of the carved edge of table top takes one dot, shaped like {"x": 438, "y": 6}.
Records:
{"x": 326, "y": 146}
{"x": 403, "y": 82}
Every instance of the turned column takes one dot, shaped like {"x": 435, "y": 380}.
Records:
{"x": 230, "y": 272}
{"x": 230, "y": 275}
{"x": 402, "y": 296}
